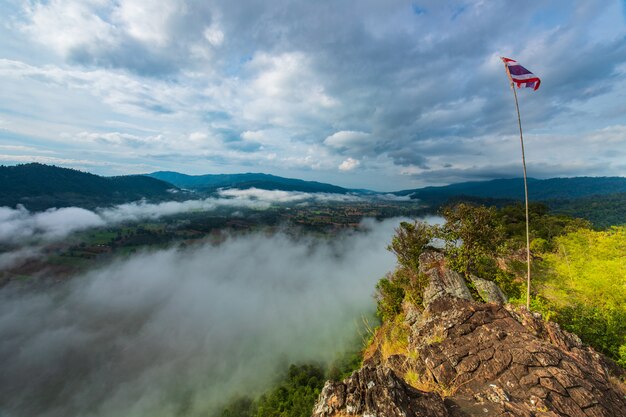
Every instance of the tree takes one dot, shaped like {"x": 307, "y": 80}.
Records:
{"x": 410, "y": 241}
{"x": 472, "y": 235}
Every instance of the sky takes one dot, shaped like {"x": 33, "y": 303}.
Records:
{"x": 384, "y": 95}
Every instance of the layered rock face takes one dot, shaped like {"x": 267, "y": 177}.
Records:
{"x": 469, "y": 358}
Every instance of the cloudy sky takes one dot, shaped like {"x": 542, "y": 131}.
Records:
{"x": 378, "y": 94}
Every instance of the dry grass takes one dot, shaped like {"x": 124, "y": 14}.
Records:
{"x": 395, "y": 342}
{"x": 427, "y": 384}
{"x": 395, "y": 339}
{"x": 438, "y": 335}
{"x": 392, "y": 338}
{"x": 620, "y": 385}
{"x": 373, "y": 346}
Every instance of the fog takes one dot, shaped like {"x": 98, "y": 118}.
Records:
{"x": 18, "y": 225}
{"x": 180, "y": 331}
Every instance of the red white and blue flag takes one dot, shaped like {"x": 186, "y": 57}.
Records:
{"x": 520, "y": 75}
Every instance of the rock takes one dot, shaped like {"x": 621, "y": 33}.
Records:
{"x": 488, "y": 290}
{"x": 442, "y": 280}
{"x": 377, "y": 392}
{"x": 412, "y": 313}
{"x": 487, "y": 359}
{"x": 482, "y": 358}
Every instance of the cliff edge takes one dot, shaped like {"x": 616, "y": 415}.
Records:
{"x": 454, "y": 355}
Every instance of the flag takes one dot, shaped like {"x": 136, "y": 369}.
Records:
{"x": 520, "y": 75}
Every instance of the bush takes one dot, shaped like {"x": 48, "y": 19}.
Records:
{"x": 602, "y": 328}
{"x": 389, "y": 296}
{"x": 409, "y": 242}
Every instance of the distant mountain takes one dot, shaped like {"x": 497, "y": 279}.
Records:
{"x": 513, "y": 189}
{"x": 39, "y": 186}
{"x": 211, "y": 182}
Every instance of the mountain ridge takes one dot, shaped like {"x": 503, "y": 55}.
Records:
{"x": 513, "y": 188}
{"x": 39, "y": 187}
{"x": 211, "y": 182}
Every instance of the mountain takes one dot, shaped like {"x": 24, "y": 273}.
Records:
{"x": 513, "y": 189}
{"x": 211, "y": 182}
{"x": 602, "y": 200}
{"x": 39, "y": 187}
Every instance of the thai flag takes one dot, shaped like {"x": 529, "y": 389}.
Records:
{"x": 520, "y": 75}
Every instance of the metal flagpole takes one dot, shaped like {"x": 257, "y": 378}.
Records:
{"x": 521, "y": 138}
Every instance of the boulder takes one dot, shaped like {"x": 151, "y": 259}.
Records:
{"x": 442, "y": 280}
{"x": 488, "y": 290}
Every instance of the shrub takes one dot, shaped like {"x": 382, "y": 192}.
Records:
{"x": 389, "y": 296}
{"x": 409, "y": 242}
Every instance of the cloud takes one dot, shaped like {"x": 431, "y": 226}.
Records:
{"x": 349, "y": 164}
{"x": 347, "y": 139}
{"x": 278, "y": 196}
{"x": 18, "y": 225}
{"x": 18, "y": 257}
{"x": 379, "y": 82}
{"x": 147, "y": 39}
{"x": 186, "y": 329}
{"x": 599, "y": 153}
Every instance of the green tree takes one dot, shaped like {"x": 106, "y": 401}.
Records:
{"x": 294, "y": 397}
{"x": 586, "y": 285}
{"x": 472, "y": 236}
{"x": 389, "y": 296}
{"x": 409, "y": 242}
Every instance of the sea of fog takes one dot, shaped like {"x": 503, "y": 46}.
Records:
{"x": 180, "y": 331}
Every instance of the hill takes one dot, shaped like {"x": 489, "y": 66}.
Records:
{"x": 211, "y": 182}
{"x": 513, "y": 189}
{"x": 38, "y": 187}
{"x": 602, "y": 200}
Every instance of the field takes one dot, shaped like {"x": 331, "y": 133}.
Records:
{"x": 86, "y": 249}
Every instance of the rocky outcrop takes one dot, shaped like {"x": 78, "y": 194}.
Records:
{"x": 510, "y": 362}
{"x": 488, "y": 290}
{"x": 468, "y": 358}
{"x": 377, "y": 392}
{"x": 442, "y": 280}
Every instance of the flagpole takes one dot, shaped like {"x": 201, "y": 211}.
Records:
{"x": 521, "y": 138}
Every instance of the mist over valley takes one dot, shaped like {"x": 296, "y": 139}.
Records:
{"x": 187, "y": 328}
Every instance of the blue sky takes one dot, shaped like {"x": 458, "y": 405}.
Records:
{"x": 369, "y": 94}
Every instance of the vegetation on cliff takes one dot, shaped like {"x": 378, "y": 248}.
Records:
{"x": 578, "y": 274}
{"x": 441, "y": 351}
{"x": 295, "y": 391}
{"x": 583, "y": 287}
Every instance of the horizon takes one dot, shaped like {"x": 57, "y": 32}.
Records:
{"x": 390, "y": 96}
{"x": 334, "y": 184}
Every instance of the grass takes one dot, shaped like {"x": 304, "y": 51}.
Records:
{"x": 415, "y": 380}
{"x": 392, "y": 338}
{"x": 100, "y": 237}
{"x": 395, "y": 340}
{"x": 437, "y": 336}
